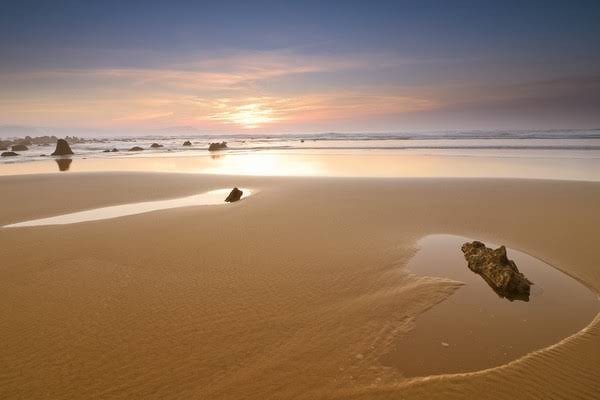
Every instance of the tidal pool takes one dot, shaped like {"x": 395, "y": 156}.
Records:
{"x": 208, "y": 198}
{"x": 475, "y": 328}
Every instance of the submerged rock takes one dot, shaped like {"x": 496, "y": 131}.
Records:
{"x": 217, "y": 146}
{"x": 234, "y": 195}
{"x": 187, "y": 143}
{"x": 136, "y": 148}
{"x": 8, "y": 154}
{"x": 62, "y": 148}
{"x": 19, "y": 147}
{"x": 156, "y": 145}
{"x": 498, "y": 271}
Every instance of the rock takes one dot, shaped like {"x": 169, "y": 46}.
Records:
{"x": 156, "y": 145}
{"x": 187, "y": 143}
{"x": 106, "y": 151}
{"x": 301, "y": 140}
{"x": 234, "y": 195}
{"x": 8, "y": 154}
{"x": 115, "y": 150}
{"x": 62, "y": 148}
{"x": 217, "y": 146}
{"x": 136, "y": 148}
{"x": 498, "y": 271}
{"x": 19, "y": 147}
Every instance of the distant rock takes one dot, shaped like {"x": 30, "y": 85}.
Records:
{"x": 217, "y": 146}
{"x": 8, "y": 154}
{"x": 19, "y": 147}
{"x": 114, "y": 150}
{"x": 156, "y": 145}
{"x": 234, "y": 195}
{"x": 62, "y": 148}
{"x": 301, "y": 140}
{"x": 106, "y": 151}
{"x": 187, "y": 143}
{"x": 498, "y": 271}
{"x": 136, "y": 148}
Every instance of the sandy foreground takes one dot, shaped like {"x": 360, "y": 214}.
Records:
{"x": 295, "y": 292}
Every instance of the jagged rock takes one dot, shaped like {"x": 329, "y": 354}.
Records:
{"x": 187, "y": 143}
{"x": 19, "y": 147}
{"x": 136, "y": 148}
{"x": 62, "y": 148}
{"x": 234, "y": 195}
{"x": 217, "y": 146}
{"x": 498, "y": 271}
{"x": 156, "y": 145}
{"x": 8, "y": 154}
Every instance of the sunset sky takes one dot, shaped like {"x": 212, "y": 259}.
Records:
{"x": 344, "y": 66}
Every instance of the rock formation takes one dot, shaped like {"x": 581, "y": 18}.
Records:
{"x": 187, "y": 143}
{"x": 19, "y": 147}
{"x": 217, "y": 146}
{"x": 156, "y": 145}
{"x": 136, "y": 148}
{"x": 8, "y": 154}
{"x": 498, "y": 271}
{"x": 62, "y": 148}
{"x": 234, "y": 195}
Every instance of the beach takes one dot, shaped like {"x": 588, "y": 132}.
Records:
{"x": 295, "y": 292}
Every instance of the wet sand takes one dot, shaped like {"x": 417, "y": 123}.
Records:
{"x": 295, "y": 292}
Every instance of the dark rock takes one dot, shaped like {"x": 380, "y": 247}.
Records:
{"x": 498, "y": 271}
{"x": 234, "y": 195}
{"x": 156, "y": 145}
{"x": 115, "y": 150}
{"x": 106, "y": 151}
{"x": 19, "y": 147}
{"x": 62, "y": 148}
{"x": 136, "y": 148}
{"x": 187, "y": 143}
{"x": 8, "y": 154}
{"x": 301, "y": 140}
{"x": 217, "y": 146}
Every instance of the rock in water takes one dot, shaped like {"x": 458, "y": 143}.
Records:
{"x": 187, "y": 143}
{"x": 217, "y": 146}
{"x": 8, "y": 154}
{"x": 234, "y": 195}
{"x": 62, "y": 148}
{"x": 156, "y": 145}
{"x": 19, "y": 147}
{"x": 498, "y": 271}
{"x": 136, "y": 148}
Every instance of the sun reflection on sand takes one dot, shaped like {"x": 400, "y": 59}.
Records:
{"x": 263, "y": 165}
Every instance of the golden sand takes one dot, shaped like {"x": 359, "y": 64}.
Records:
{"x": 295, "y": 292}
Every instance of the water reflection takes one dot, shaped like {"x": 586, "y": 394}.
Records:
{"x": 474, "y": 329}
{"x": 63, "y": 163}
{"x": 208, "y": 198}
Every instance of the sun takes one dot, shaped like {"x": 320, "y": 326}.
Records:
{"x": 248, "y": 116}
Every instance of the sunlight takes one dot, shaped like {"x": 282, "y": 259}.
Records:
{"x": 248, "y": 116}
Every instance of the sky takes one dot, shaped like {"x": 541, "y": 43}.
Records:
{"x": 132, "y": 67}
